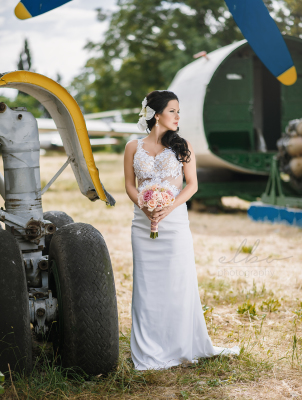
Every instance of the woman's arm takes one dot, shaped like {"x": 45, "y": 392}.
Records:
{"x": 191, "y": 180}
{"x": 130, "y": 187}
{"x": 188, "y": 191}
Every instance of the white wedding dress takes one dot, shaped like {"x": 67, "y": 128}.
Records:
{"x": 168, "y": 325}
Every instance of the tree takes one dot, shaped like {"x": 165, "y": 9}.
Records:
{"x": 289, "y": 17}
{"x": 24, "y": 63}
{"x": 146, "y": 44}
{"x": 23, "y": 99}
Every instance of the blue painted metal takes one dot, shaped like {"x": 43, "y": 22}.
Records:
{"x": 37, "y": 7}
{"x": 261, "y": 212}
{"x": 262, "y": 33}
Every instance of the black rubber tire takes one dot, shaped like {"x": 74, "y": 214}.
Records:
{"x": 15, "y": 333}
{"x": 59, "y": 218}
{"x": 81, "y": 278}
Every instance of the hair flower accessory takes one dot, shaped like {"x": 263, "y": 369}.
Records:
{"x": 145, "y": 114}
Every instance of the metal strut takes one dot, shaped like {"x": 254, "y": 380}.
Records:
{"x": 46, "y": 187}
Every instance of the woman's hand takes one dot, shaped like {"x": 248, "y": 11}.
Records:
{"x": 148, "y": 213}
{"x": 158, "y": 215}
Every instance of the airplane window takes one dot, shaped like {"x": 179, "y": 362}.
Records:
{"x": 234, "y": 77}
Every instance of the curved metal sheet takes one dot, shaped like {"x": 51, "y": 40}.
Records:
{"x": 190, "y": 85}
{"x": 70, "y": 123}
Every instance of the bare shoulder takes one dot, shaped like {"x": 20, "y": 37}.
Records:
{"x": 131, "y": 146}
{"x": 189, "y": 146}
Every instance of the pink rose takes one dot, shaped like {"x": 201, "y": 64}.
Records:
{"x": 167, "y": 202}
{"x": 170, "y": 193}
{"x": 165, "y": 197}
{"x": 151, "y": 205}
{"x": 148, "y": 195}
{"x": 157, "y": 196}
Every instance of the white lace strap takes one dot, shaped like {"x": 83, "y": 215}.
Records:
{"x": 139, "y": 143}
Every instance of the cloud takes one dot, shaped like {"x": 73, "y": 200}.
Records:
{"x": 56, "y": 38}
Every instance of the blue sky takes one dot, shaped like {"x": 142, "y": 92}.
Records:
{"x": 56, "y": 38}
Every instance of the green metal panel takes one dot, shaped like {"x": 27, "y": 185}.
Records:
{"x": 251, "y": 160}
{"x": 228, "y": 105}
{"x": 291, "y": 96}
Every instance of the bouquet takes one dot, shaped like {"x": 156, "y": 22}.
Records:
{"x": 155, "y": 197}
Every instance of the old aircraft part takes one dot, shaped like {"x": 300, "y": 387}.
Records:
{"x": 295, "y": 166}
{"x": 70, "y": 123}
{"x": 227, "y": 100}
{"x": 86, "y": 333}
{"x": 294, "y": 146}
{"x": 299, "y": 128}
{"x": 15, "y": 336}
{"x": 59, "y": 219}
{"x": 290, "y": 154}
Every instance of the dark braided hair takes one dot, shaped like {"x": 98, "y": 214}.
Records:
{"x": 158, "y": 101}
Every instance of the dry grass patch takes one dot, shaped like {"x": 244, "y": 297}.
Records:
{"x": 229, "y": 276}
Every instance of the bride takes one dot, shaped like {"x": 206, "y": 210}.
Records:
{"x": 168, "y": 325}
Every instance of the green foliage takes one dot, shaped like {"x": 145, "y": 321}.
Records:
{"x": 299, "y": 311}
{"x": 247, "y": 308}
{"x": 270, "y": 305}
{"x": 23, "y": 100}
{"x": 146, "y": 44}
{"x": 1, "y": 380}
{"x": 207, "y": 310}
{"x": 289, "y": 17}
{"x": 24, "y": 63}
{"x": 247, "y": 249}
{"x": 51, "y": 381}
{"x": 214, "y": 382}
{"x": 185, "y": 395}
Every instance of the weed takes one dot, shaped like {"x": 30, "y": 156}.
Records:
{"x": 207, "y": 310}
{"x": 270, "y": 305}
{"x": 185, "y": 395}
{"x": 299, "y": 311}
{"x": 247, "y": 308}
{"x": 214, "y": 382}
{"x": 246, "y": 249}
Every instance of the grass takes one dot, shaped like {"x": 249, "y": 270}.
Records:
{"x": 269, "y": 366}
{"x": 193, "y": 380}
{"x": 210, "y": 378}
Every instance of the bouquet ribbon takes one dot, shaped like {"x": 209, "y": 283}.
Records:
{"x": 154, "y": 230}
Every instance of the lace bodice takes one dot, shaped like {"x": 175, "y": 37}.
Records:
{"x": 163, "y": 169}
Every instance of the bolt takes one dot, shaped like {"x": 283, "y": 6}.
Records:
{"x": 2, "y": 107}
{"x": 50, "y": 228}
{"x": 43, "y": 265}
{"x": 40, "y": 312}
{"x": 20, "y": 116}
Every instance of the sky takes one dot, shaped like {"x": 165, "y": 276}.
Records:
{"x": 56, "y": 38}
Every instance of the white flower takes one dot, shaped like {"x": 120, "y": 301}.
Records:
{"x": 146, "y": 113}
{"x": 142, "y": 124}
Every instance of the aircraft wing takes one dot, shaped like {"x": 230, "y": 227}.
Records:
{"x": 94, "y": 127}
{"x": 53, "y": 140}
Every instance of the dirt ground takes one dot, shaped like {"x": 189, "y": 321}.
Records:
{"x": 236, "y": 260}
